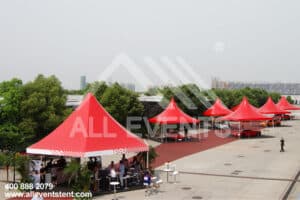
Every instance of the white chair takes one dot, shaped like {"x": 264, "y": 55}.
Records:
{"x": 173, "y": 167}
{"x": 157, "y": 184}
{"x": 175, "y": 174}
{"x": 114, "y": 184}
{"x": 154, "y": 187}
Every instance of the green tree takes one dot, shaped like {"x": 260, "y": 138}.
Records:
{"x": 152, "y": 91}
{"x": 11, "y": 139}
{"x": 120, "y": 102}
{"x": 189, "y": 98}
{"x": 22, "y": 167}
{"x": 227, "y": 97}
{"x": 289, "y": 99}
{"x": 74, "y": 92}
{"x": 275, "y": 96}
{"x": 80, "y": 177}
{"x": 256, "y": 96}
{"x": 43, "y": 106}
{"x": 11, "y": 94}
{"x": 152, "y": 155}
{"x": 6, "y": 160}
{"x": 97, "y": 88}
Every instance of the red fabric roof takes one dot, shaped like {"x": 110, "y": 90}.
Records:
{"x": 245, "y": 112}
{"x": 234, "y": 108}
{"x": 89, "y": 131}
{"x": 173, "y": 115}
{"x": 218, "y": 109}
{"x": 285, "y": 105}
{"x": 271, "y": 108}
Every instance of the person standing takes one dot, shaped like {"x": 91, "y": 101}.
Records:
{"x": 185, "y": 133}
{"x": 36, "y": 179}
{"x": 122, "y": 172}
{"x": 282, "y": 145}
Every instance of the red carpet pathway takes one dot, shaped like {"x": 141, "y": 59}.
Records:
{"x": 168, "y": 152}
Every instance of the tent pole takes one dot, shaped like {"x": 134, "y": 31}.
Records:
{"x": 14, "y": 163}
{"x": 239, "y": 129}
{"x": 161, "y": 133}
{"x": 147, "y": 166}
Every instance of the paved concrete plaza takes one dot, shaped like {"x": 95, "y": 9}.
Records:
{"x": 244, "y": 169}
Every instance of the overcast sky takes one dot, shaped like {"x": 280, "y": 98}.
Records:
{"x": 249, "y": 40}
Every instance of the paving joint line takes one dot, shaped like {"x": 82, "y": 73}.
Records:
{"x": 241, "y": 177}
{"x": 291, "y": 186}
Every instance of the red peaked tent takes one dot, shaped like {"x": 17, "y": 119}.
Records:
{"x": 173, "y": 115}
{"x": 245, "y": 112}
{"x": 89, "y": 131}
{"x": 234, "y": 108}
{"x": 271, "y": 108}
{"x": 285, "y": 105}
{"x": 218, "y": 109}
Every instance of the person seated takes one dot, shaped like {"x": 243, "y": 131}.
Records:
{"x": 49, "y": 165}
{"x": 133, "y": 162}
{"x": 61, "y": 163}
{"x": 98, "y": 162}
{"x": 96, "y": 178}
{"x": 140, "y": 161}
{"x": 111, "y": 165}
{"x": 136, "y": 164}
{"x": 147, "y": 181}
{"x": 113, "y": 174}
{"x": 42, "y": 173}
{"x": 90, "y": 164}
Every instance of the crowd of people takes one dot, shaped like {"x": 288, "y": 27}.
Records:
{"x": 132, "y": 169}
{"x": 54, "y": 168}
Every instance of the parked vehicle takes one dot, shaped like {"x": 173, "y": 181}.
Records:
{"x": 173, "y": 137}
{"x": 246, "y": 133}
{"x": 286, "y": 117}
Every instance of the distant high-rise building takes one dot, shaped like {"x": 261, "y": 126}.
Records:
{"x": 129, "y": 86}
{"x": 82, "y": 82}
{"x": 216, "y": 83}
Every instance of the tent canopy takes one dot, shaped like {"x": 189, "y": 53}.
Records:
{"x": 218, "y": 109}
{"x": 285, "y": 105}
{"x": 89, "y": 131}
{"x": 245, "y": 112}
{"x": 234, "y": 108}
{"x": 173, "y": 115}
{"x": 271, "y": 108}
